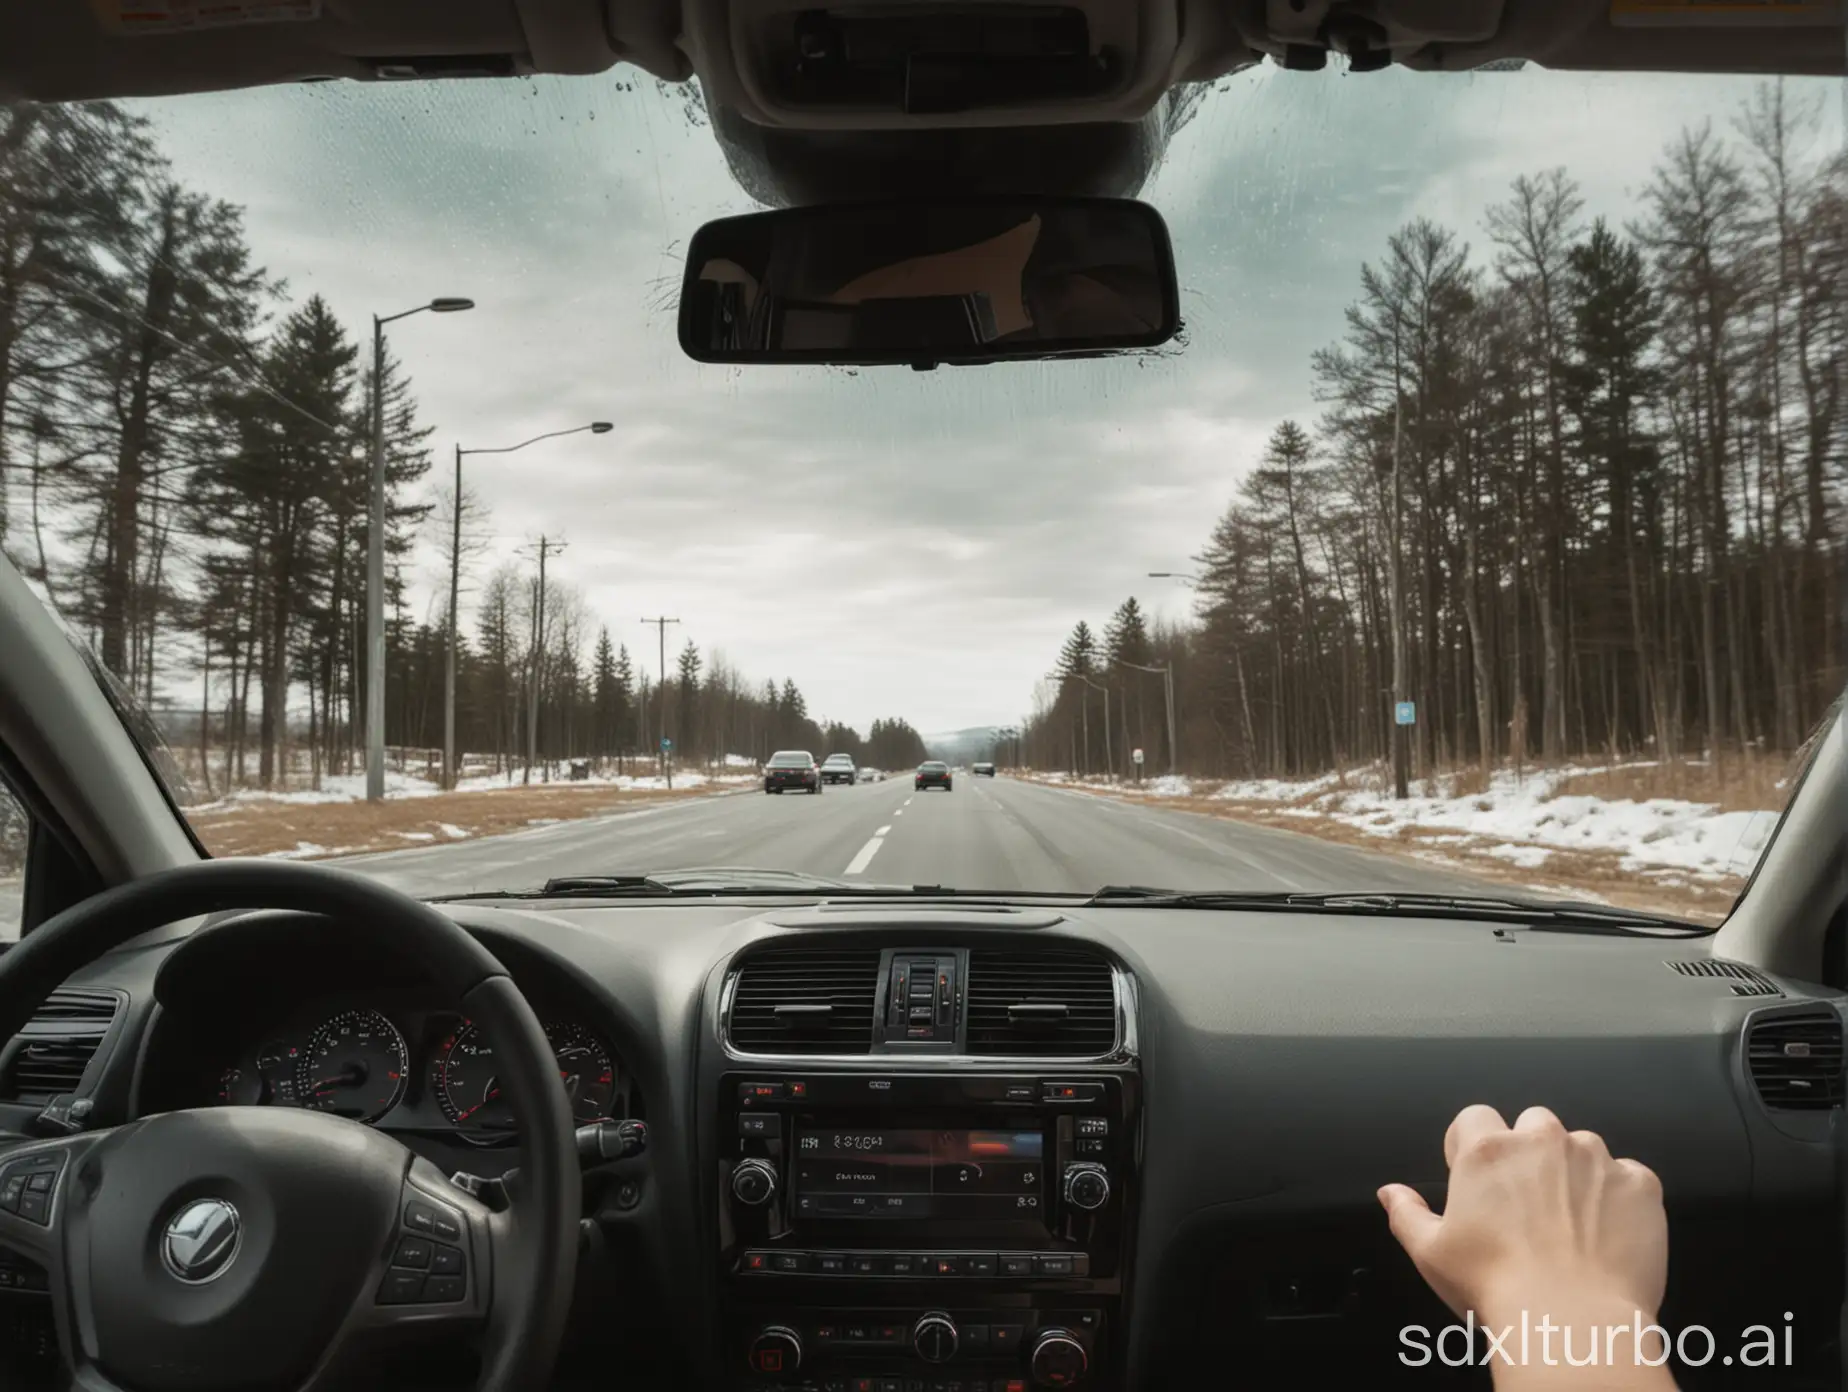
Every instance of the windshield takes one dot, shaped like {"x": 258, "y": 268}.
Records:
{"x": 1481, "y": 532}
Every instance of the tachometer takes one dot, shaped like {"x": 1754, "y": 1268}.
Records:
{"x": 468, "y": 1088}
{"x": 354, "y": 1066}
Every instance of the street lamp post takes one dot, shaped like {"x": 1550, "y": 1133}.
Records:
{"x": 1109, "y": 754}
{"x": 450, "y": 770}
{"x": 1167, "y": 671}
{"x": 375, "y": 551}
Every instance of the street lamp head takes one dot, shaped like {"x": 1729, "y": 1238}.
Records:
{"x": 451, "y": 305}
{"x": 601, "y": 427}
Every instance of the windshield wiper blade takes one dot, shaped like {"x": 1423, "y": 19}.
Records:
{"x": 1537, "y": 914}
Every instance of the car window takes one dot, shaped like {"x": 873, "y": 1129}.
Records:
{"x": 14, "y": 831}
{"x": 1483, "y": 518}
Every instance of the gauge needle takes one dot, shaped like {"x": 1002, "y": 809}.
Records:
{"x": 492, "y": 1092}
{"x": 350, "y": 1076}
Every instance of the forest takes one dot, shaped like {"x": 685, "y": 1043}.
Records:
{"x": 184, "y": 456}
{"x": 1575, "y": 490}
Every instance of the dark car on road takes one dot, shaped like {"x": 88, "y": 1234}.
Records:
{"x": 983, "y": 770}
{"x": 792, "y": 768}
{"x": 933, "y": 775}
{"x": 838, "y": 768}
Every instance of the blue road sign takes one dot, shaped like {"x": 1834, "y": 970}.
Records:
{"x": 666, "y": 743}
{"x": 1405, "y": 713}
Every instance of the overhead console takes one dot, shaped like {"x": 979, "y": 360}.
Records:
{"x": 927, "y": 1161}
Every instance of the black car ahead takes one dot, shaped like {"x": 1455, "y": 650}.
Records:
{"x": 982, "y": 770}
{"x": 792, "y": 768}
{"x": 932, "y": 775}
{"x": 838, "y": 768}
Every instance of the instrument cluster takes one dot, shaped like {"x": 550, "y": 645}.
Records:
{"x": 413, "y": 1070}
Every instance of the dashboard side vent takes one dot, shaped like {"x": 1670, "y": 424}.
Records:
{"x": 805, "y": 1001}
{"x": 1052, "y": 1003}
{"x": 56, "y": 1046}
{"x": 1741, "y": 979}
{"x": 1796, "y": 1061}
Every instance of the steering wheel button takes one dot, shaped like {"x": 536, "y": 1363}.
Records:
{"x": 419, "y": 1217}
{"x": 401, "y": 1288}
{"x": 444, "y": 1290}
{"x": 39, "y": 1182}
{"x": 12, "y": 1190}
{"x": 36, "y": 1207}
{"x": 412, "y": 1252}
{"x": 447, "y": 1228}
{"x": 447, "y": 1261}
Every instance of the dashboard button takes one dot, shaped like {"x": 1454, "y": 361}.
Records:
{"x": 789, "y": 1261}
{"x": 946, "y": 1266}
{"x": 980, "y": 1264}
{"x": 752, "y": 1094}
{"x": 1058, "y": 1265}
{"x": 1021, "y": 1092}
{"x": 867, "y": 1266}
{"x": 797, "y": 1089}
{"x": 413, "y": 1252}
{"x": 827, "y": 1333}
{"x": 1005, "y": 1338}
{"x": 831, "y": 1263}
{"x": 401, "y": 1288}
{"x": 1072, "y": 1092}
{"x": 906, "y": 1264}
{"x": 444, "y": 1290}
{"x": 1093, "y": 1126}
{"x": 1016, "y": 1264}
{"x": 974, "y": 1338}
{"x": 446, "y": 1261}
{"x": 1089, "y": 1145}
{"x": 1010, "y": 1384}
{"x": 756, "y": 1261}
{"x": 756, "y": 1123}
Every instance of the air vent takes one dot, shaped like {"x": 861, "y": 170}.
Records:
{"x": 1796, "y": 1061}
{"x": 1051, "y": 1004}
{"x": 1741, "y": 979}
{"x": 803, "y": 1001}
{"x": 56, "y": 1046}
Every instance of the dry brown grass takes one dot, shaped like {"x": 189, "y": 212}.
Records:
{"x": 340, "y": 828}
{"x": 1739, "y": 781}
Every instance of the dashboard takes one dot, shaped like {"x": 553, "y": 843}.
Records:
{"x": 876, "y": 1158}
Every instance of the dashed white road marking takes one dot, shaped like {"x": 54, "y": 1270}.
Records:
{"x": 867, "y": 852}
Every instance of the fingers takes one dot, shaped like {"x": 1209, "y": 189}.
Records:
{"x": 1471, "y": 1125}
{"x": 1541, "y": 1121}
{"x": 1409, "y": 1216}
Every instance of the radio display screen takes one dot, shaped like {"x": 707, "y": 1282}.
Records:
{"x": 873, "y": 1172}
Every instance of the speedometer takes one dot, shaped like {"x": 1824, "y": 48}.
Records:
{"x": 354, "y": 1066}
{"x": 468, "y": 1088}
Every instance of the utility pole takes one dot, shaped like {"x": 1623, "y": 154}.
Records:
{"x": 450, "y": 771}
{"x": 667, "y": 766}
{"x": 1109, "y": 756}
{"x": 546, "y": 544}
{"x": 1167, "y": 684}
{"x": 1401, "y": 734}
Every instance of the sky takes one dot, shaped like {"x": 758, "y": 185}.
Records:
{"x": 900, "y": 543}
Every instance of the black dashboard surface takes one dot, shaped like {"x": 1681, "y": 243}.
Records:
{"x": 1291, "y": 1063}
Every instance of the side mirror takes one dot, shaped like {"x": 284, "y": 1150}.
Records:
{"x": 923, "y": 283}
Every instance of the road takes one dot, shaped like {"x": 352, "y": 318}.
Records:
{"x": 989, "y": 834}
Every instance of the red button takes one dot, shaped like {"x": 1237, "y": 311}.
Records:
{"x": 798, "y": 1089}
{"x": 770, "y": 1361}
{"x": 754, "y": 1261}
{"x": 1014, "y": 1385}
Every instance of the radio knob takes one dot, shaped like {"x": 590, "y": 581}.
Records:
{"x": 1087, "y": 1186}
{"x": 753, "y": 1182}
{"x": 934, "y": 1337}
{"x": 1059, "y": 1359}
{"x": 776, "y": 1349}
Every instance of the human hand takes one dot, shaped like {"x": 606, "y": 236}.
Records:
{"x": 1536, "y": 1219}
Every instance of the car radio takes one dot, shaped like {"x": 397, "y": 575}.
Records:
{"x": 901, "y": 1227}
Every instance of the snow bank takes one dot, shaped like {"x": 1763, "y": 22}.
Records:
{"x": 1529, "y": 820}
{"x": 352, "y": 787}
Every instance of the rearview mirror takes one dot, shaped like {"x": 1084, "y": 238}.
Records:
{"x": 965, "y": 281}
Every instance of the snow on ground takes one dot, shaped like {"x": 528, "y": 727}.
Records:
{"x": 1522, "y": 818}
{"x": 351, "y": 787}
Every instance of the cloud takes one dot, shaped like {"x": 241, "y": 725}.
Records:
{"x": 901, "y": 543}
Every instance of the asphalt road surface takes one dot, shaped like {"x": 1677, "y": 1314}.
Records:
{"x": 987, "y": 834}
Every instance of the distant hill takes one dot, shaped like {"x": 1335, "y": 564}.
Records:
{"x": 964, "y": 746}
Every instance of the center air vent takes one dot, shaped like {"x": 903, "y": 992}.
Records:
{"x": 1796, "y": 1061}
{"x": 56, "y": 1046}
{"x": 1743, "y": 980}
{"x": 805, "y": 1001}
{"x": 1051, "y": 1004}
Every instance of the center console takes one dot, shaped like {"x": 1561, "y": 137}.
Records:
{"x": 924, "y": 1221}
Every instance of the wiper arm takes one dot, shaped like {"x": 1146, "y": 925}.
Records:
{"x": 1535, "y": 914}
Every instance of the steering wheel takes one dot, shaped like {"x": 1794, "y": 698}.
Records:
{"x": 277, "y": 1247}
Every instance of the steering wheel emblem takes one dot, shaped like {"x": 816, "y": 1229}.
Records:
{"x": 202, "y": 1241}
